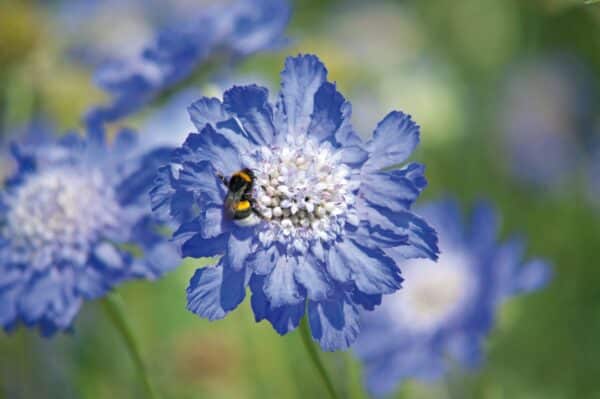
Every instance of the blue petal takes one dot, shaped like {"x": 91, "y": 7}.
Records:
{"x": 311, "y": 274}
{"x": 280, "y": 286}
{"x": 327, "y": 116}
{"x": 421, "y": 238}
{"x": 50, "y": 294}
{"x": 334, "y": 323}
{"x": 203, "y": 181}
{"x": 284, "y": 318}
{"x": 260, "y": 25}
{"x": 214, "y": 222}
{"x": 368, "y": 302}
{"x": 194, "y": 245}
{"x": 109, "y": 257}
{"x": 251, "y": 105}
{"x": 215, "y": 290}
{"x": 263, "y": 260}
{"x": 233, "y": 288}
{"x": 484, "y": 227}
{"x": 9, "y": 295}
{"x": 207, "y": 111}
{"x": 533, "y": 276}
{"x": 204, "y": 291}
{"x": 238, "y": 250}
{"x": 372, "y": 271}
{"x": 397, "y": 189}
{"x": 210, "y": 145}
{"x": 137, "y": 184}
{"x": 92, "y": 283}
{"x": 394, "y": 139}
{"x": 300, "y": 79}
{"x": 161, "y": 258}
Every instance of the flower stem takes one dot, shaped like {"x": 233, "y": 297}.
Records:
{"x": 113, "y": 306}
{"x": 309, "y": 345}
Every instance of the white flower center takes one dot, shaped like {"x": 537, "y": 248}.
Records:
{"x": 303, "y": 191}
{"x": 55, "y": 215}
{"x": 432, "y": 293}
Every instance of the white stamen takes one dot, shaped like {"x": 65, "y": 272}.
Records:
{"x": 303, "y": 191}
{"x": 56, "y": 215}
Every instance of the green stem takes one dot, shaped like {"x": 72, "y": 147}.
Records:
{"x": 113, "y": 306}
{"x": 314, "y": 357}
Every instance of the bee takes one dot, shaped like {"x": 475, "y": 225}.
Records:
{"x": 239, "y": 204}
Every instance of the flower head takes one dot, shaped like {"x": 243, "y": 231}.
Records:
{"x": 296, "y": 204}
{"x": 235, "y": 29}
{"x": 445, "y": 309}
{"x": 70, "y": 216}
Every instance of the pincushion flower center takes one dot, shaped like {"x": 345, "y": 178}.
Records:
{"x": 57, "y": 213}
{"x": 303, "y": 190}
{"x": 432, "y": 295}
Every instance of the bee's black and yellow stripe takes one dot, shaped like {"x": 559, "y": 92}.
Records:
{"x": 240, "y": 184}
{"x": 241, "y": 181}
{"x": 243, "y": 209}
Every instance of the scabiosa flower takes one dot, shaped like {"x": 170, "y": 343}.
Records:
{"x": 233, "y": 30}
{"x": 445, "y": 309}
{"x": 327, "y": 228}
{"x": 547, "y": 120}
{"x": 72, "y": 217}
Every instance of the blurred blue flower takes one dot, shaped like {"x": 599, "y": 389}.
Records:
{"x": 231, "y": 30}
{"x": 444, "y": 310}
{"x": 73, "y": 217}
{"x": 327, "y": 227}
{"x": 547, "y": 119}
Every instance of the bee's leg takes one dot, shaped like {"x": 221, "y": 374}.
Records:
{"x": 223, "y": 178}
{"x": 254, "y": 207}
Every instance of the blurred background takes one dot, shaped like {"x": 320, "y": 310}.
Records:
{"x": 507, "y": 93}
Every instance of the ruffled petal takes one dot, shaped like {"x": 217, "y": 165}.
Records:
{"x": 284, "y": 318}
{"x": 370, "y": 268}
{"x": 138, "y": 183}
{"x": 397, "y": 189}
{"x": 215, "y": 290}
{"x": 238, "y": 249}
{"x": 202, "y": 180}
{"x": 92, "y": 283}
{"x": 211, "y": 146}
{"x": 300, "y": 79}
{"x": 50, "y": 295}
{"x": 193, "y": 244}
{"x": 311, "y": 274}
{"x": 251, "y": 106}
{"x": 394, "y": 139}
{"x": 327, "y": 116}
{"x": 334, "y": 322}
{"x": 280, "y": 286}
{"x": 262, "y": 261}
{"x": 421, "y": 239}
{"x": 207, "y": 111}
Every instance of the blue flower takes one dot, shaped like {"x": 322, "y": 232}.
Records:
{"x": 73, "y": 217}
{"x": 329, "y": 224}
{"x": 178, "y": 51}
{"x": 445, "y": 309}
{"x": 547, "y": 120}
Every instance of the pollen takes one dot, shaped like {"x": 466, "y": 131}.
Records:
{"x": 303, "y": 191}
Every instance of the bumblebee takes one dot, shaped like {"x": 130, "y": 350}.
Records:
{"x": 239, "y": 204}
